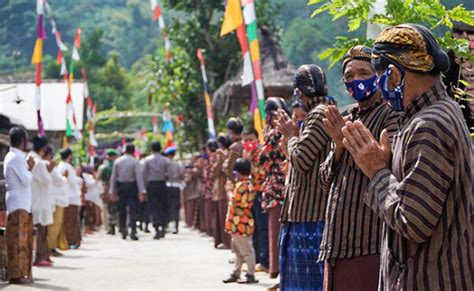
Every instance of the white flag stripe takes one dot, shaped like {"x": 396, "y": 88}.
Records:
{"x": 260, "y": 91}
{"x": 40, "y": 7}
{"x": 249, "y": 13}
{"x": 247, "y": 77}
{"x": 75, "y": 54}
{"x": 38, "y": 97}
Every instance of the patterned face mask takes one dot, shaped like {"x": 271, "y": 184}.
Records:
{"x": 361, "y": 90}
{"x": 394, "y": 97}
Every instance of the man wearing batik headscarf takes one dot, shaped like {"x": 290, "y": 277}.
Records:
{"x": 350, "y": 246}
{"x": 422, "y": 189}
{"x": 304, "y": 206}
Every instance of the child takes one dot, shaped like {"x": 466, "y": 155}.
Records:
{"x": 240, "y": 222}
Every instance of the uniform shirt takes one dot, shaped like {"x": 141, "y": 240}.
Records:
{"x": 73, "y": 189}
{"x": 425, "y": 199}
{"x": 239, "y": 219}
{"x": 352, "y": 229}
{"x": 18, "y": 181}
{"x": 305, "y": 199}
{"x": 41, "y": 196}
{"x": 175, "y": 174}
{"x": 127, "y": 169}
{"x": 155, "y": 168}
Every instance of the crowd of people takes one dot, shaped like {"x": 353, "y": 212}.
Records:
{"x": 58, "y": 203}
{"x": 376, "y": 196}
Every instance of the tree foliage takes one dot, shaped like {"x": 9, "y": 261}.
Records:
{"x": 432, "y": 13}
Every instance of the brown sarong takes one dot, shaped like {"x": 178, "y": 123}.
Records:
{"x": 19, "y": 236}
{"x": 90, "y": 217}
{"x": 274, "y": 226}
{"x": 55, "y": 229}
{"x": 358, "y": 273}
{"x": 71, "y": 225}
{"x": 220, "y": 236}
{"x": 190, "y": 210}
{"x": 42, "y": 249}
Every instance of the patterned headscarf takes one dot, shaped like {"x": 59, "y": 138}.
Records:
{"x": 412, "y": 47}
{"x": 311, "y": 81}
{"x": 358, "y": 52}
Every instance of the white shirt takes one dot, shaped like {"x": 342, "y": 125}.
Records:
{"x": 18, "y": 181}
{"x": 41, "y": 197}
{"x": 73, "y": 189}
{"x": 59, "y": 189}
{"x": 93, "y": 189}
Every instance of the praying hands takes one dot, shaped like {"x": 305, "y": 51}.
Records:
{"x": 370, "y": 155}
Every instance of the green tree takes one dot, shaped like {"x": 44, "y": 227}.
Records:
{"x": 178, "y": 85}
{"x": 431, "y": 13}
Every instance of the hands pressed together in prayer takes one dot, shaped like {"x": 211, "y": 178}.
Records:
{"x": 285, "y": 124}
{"x": 334, "y": 122}
{"x": 369, "y": 154}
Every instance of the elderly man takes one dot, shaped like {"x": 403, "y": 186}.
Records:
{"x": 351, "y": 240}
{"x": 19, "y": 232}
{"x": 423, "y": 189}
{"x": 127, "y": 186}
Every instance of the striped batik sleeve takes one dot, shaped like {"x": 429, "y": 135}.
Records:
{"x": 305, "y": 149}
{"x": 413, "y": 206}
{"x": 327, "y": 170}
{"x": 235, "y": 152}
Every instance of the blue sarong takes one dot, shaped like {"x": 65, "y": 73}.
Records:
{"x": 299, "y": 251}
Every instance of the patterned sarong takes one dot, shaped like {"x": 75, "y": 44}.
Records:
{"x": 299, "y": 251}
{"x": 20, "y": 244}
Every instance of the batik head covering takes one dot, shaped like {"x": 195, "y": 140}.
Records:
{"x": 235, "y": 124}
{"x": 358, "y": 52}
{"x": 410, "y": 46}
{"x": 272, "y": 104}
{"x": 311, "y": 81}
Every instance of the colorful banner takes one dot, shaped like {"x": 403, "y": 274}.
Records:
{"x": 250, "y": 20}
{"x": 210, "y": 118}
{"x": 70, "y": 112}
{"x": 233, "y": 20}
{"x": 37, "y": 59}
{"x": 60, "y": 60}
{"x": 158, "y": 17}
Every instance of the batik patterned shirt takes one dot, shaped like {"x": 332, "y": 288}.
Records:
{"x": 425, "y": 199}
{"x": 352, "y": 229}
{"x": 239, "y": 220}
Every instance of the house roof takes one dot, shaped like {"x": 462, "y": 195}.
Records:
{"x": 53, "y": 103}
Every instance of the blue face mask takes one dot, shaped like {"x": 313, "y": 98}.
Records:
{"x": 393, "y": 97}
{"x": 300, "y": 123}
{"x": 361, "y": 90}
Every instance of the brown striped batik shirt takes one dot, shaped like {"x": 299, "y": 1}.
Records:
{"x": 425, "y": 199}
{"x": 351, "y": 228}
{"x": 305, "y": 200}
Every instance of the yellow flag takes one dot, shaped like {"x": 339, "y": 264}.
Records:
{"x": 258, "y": 124}
{"x": 232, "y": 17}
{"x": 37, "y": 52}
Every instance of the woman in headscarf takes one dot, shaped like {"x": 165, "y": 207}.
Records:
{"x": 273, "y": 159}
{"x": 304, "y": 207}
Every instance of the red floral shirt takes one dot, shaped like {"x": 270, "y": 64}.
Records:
{"x": 273, "y": 160}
